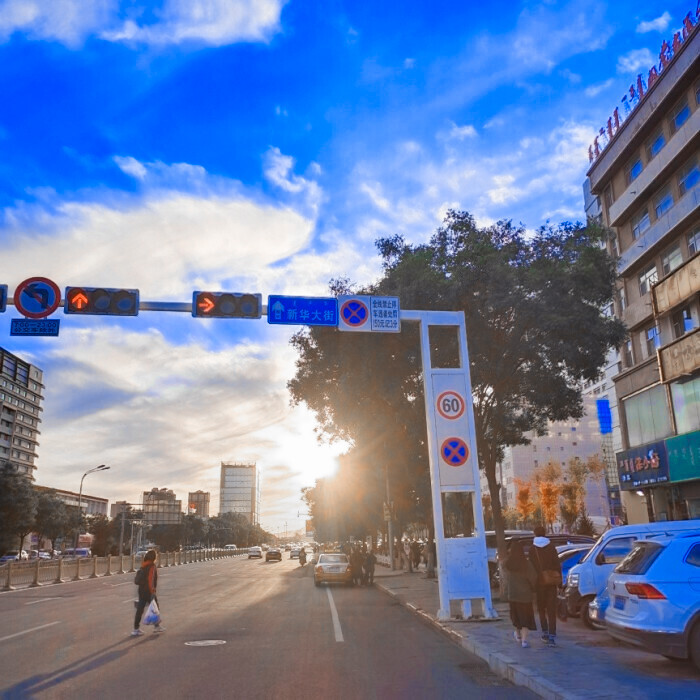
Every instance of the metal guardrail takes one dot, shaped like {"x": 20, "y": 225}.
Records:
{"x": 24, "y": 574}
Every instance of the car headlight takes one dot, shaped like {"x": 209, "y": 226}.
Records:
{"x": 572, "y": 580}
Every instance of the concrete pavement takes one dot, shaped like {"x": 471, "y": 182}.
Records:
{"x": 584, "y": 664}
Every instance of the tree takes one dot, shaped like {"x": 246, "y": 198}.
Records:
{"x": 18, "y": 505}
{"x": 51, "y": 521}
{"x": 103, "y": 532}
{"x": 547, "y": 479}
{"x": 534, "y": 329}
{"x": 524, "y": 505}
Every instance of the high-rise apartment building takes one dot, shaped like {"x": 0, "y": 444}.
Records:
{"x": 198, "y": 503}
{"x": 21, "y": 386}
{"x": 644, "y": 178}
{"x": 161, "y": 507}
{"x": 240, "y": 490}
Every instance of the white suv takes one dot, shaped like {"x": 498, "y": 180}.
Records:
{"x": 655, "y": 597}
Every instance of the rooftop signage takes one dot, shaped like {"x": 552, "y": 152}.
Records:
{"x": 637, "y": 90}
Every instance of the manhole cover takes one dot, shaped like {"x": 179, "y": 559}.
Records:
{"x": 205, "y": 643}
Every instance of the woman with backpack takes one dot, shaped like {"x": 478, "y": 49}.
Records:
{"x": 147, "y": 581}
{"x": 519, "y": 589}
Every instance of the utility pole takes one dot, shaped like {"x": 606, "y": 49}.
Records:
{"x": 390, "y": 523}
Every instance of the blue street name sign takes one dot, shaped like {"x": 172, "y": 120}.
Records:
{"x": 28, "y": 326}
{"x": 307, "y": 311}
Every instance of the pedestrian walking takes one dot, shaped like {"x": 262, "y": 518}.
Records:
{"x": 519, "y": 589}
{"x": 543, "y": 555}
{"x": 356, "y": 561}
{"x": 368, "y": 566}
{"x": 147, "y": 581}
{"x": 415, "y": 553}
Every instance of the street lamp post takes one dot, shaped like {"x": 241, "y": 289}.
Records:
{"x": 100, "y": 468}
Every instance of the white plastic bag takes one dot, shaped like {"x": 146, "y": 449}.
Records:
{"x": 152, "y": 614}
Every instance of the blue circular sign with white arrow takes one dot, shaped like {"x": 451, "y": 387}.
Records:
{"x": 37, "y": 297}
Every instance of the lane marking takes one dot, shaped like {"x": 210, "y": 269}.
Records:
{"x": 41, "y": 600}
{"x": 33, "y": 629}
{"x": 334, "y": 616}
{"x": 116, "y": 585}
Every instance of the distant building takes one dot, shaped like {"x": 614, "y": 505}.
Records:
{"x": 563, "y": 441}
{"x": 21, "y": 386}
{"x": 240, "y": 490}
{"x": 645, "y": 185}
{"x": 161, "y": 507}
{"x": 90, "y": 505}
{"x": 198, "y": 503}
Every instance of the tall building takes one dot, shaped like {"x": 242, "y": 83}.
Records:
{"x": 161, "y": 507}
{"x": 90, "y": 505}
{"x": 643, "y": 178}
{"x": 240, "y": 490}
{"x": 198, "y": 503}
{"x": 563, "y": 441}
{"x": 21, "y": 385}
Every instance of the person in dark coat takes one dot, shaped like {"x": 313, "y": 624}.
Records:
{"x": 368, "y": 565}
{"x": 356, "y": 560}
{"x": 147, "y": 581}
{"x": 519, "y": 589}
{"x": 544, "y": 557}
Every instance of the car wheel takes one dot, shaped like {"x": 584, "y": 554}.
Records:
{"x": 585, "y": 617}
{"x": 694, "y": 645}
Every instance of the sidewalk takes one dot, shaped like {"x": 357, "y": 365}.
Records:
{"x": 584, "y": 664}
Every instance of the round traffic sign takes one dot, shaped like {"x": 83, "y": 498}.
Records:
{"x": 450, "y": 405}
{"x": 37, "y": 297}
{"x": 354, "y": 313}
{"x": 454, "y": 451}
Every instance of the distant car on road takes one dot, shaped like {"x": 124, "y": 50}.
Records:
{"x": 255, "y": 553}
{"x": 273, "y": 554}
{"x": 332, "y": 568}
{"x": 14, "y": 555}
{"x": 229, "y": 547}
{"x": 655, "y": 597}
{"x": 294, "y": 552}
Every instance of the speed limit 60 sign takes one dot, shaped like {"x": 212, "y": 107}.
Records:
{"x": 451, "y": 405}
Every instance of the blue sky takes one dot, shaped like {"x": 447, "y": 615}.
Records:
{"x": 263, "y": 146}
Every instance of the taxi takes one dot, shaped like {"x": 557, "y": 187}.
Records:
{"x": 332, "y": 568}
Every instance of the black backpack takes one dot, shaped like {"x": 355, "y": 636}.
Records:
{"x": 140, "y": 576}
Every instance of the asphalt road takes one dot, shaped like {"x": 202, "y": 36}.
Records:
{"x": 234, "y": 628}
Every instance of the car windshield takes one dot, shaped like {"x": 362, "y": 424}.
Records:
{"x": 332, "y": 559}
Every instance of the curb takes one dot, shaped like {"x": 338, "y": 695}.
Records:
{"x": 500, "y": 663}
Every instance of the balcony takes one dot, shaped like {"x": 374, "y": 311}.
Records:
{"x": 681, "y": 357}
{"x": 681, "y": 284}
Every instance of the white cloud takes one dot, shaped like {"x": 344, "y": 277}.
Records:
{"x": 208, "y": 22}
{"x": 503, "y": 191}
{"x": 660, "y": 24}
{"x": 65, "y": 21}
{"x": 595, "y": 90}
{"x": 461, "y": 132}
{"x": 634, "y": 61}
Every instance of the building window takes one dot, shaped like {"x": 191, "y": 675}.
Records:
{"x": 614, "y": 246}
{"x": 688, "y": 176}
{"x": 647, "y": 278}
{"x": 622, "y": 295}
{"x": 682, "y": 322}
{"x": 640, "y": 223}
{"x": 608, "y": 196}
{"x": 694, "y": 241}
{"x": 652, "y": 340}
{"x": 679, "y": 115}
{"x": 671, "y": 259}
{"x": 663, "y": 202}
{"x": 627, "y": 356}
{"x": 647, "y": 416}
{"x": 634, "y": 169}
{"x": 655, "y": 144}
{"x": 686, "y": 405}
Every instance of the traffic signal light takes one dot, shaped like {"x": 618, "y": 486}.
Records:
{"x": 226, "y": 305}
{"x": 3, "y": 297}
{"x": 96, "y": 300}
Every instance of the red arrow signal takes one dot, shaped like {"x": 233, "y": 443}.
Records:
{"x": 79, "y": 300}
{"x": 205, "y": 303}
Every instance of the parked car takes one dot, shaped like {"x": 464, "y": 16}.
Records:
{"x": 655, "y": 597}
{"x": 590, "y": 576}
{"x": 570, "y": 555}
{"x": 273, "y": 554}
{"x": 14, "y": 555}
{"x": 332, "y": 568}
{"x": 597, "y": 609}
{"x": 255, "y": 553}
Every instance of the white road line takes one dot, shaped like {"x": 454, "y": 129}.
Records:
{"x": 33, "y": 629}
{"x": 116, "y": 585}
{"x": 334, "y": 616}
{"x": 215, "y": 574}
{"x": 41, "y": 600}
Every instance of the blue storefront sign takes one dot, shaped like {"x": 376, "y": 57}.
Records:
{"x": 643, "y": 466}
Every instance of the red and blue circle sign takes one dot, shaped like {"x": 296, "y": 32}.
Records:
{"x": 354, "y": 313}
{"x": 37, "y": 297}
{"x": 454, "y": 451}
